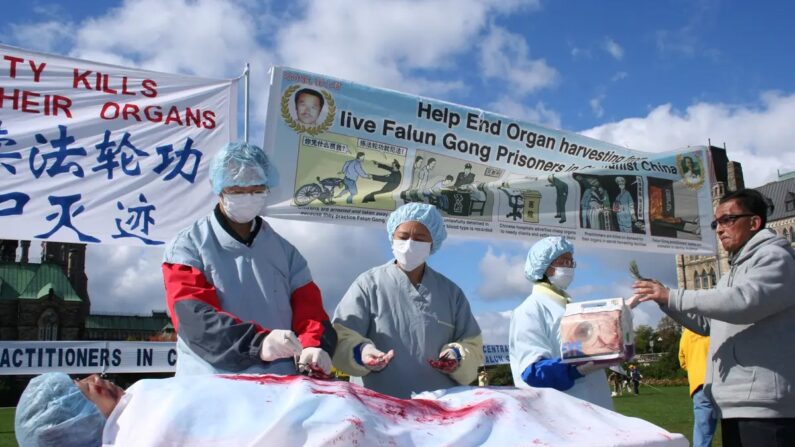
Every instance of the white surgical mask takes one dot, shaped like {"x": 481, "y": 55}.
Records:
{"x": 243, "y": 208}
{"x": 562, "y": 277}
{"x": 410, "y": 254}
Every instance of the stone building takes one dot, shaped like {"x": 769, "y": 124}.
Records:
{"x": 49, "y": 300}
{"x": 703, "y": 272}
{"x": 44, "y": 301}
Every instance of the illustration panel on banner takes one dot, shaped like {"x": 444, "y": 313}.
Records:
{"x": 454, "y": 186}
{"x": 691, "y": 168}
{"x": 536, "y": 200}
{"x": 612, "y": 203}
{"x": 347, "y": 171}
{"x": 673, "y": 209}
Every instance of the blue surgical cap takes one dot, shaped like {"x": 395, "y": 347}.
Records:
{"x": 422, "y": 213}
{"x": 52, "y": 411}
{"x": 542, "y": 253}
{"x": 240, "y": 164}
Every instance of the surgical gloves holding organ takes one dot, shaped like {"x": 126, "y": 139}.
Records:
{"x": 409, "y": 253}
{"x": 375, "y": 360}
{"x": 315, "y": 357}
{"x": 279, "y": 344}
{"x": 243, "y": 208}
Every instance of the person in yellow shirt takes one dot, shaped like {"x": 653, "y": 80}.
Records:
{"x": 693, "y": 359}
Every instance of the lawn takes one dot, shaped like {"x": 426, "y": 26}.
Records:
{"x": 7, "y": 428}
{"x": 668, "y": 407}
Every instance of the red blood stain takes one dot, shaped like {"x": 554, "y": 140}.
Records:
{"x": 357, "y": 423}
{"x": 442, "y": 364}
{"x": 418, "y": 410}
{"x": 318, "y": 373}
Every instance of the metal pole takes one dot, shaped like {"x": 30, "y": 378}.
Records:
{"x": 246, "y": 77}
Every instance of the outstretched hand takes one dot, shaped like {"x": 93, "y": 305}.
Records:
{"x": 649, "y": 290}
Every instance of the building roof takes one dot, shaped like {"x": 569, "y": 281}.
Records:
{"x": 779, "y": 192}
{"x": 34, "y": 281}
{"x": 153, "y": 323}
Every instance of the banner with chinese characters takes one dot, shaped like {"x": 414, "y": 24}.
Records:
{"x": 98, "y": 153}
{"x": 350, "y": 154}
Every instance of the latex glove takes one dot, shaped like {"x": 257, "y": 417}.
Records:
{"x": 588, "y": 368}
{"x": 448, "y": 361}
{"x": 315, "y": 361}
{"x": 279, "y": 344}
{"x": 374, "y": 359}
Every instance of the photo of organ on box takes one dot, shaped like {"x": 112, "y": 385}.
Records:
{"x": 597, "y": 331}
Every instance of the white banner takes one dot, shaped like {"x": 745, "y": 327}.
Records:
{"x": 495, "y": 355}
{"x": 86, "y": 357}
{"x": 350, "y": 154}
{"x": 99, "y": 153}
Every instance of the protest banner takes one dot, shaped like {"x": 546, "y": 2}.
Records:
{"x": 98, "y": 153}
{"x": 350, "y": 154}
{"x": 86, "y": 357}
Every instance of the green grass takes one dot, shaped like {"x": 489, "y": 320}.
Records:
{"x": 668, "y": 407}
{"x": 7, "y": 438}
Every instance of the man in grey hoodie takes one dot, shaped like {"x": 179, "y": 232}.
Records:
{"x": 750, "y": 318}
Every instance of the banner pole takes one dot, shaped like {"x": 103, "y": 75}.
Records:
{"x": 246, "y": 102}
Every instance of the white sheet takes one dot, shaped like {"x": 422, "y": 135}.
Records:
{"x": 295, "y": 410}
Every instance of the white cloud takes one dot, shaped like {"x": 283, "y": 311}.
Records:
{"x": 382, "y": 43}
{"x": 613, "y": 48}
{"x": 125, "y": 279}
{"x": 619, "y": 76}
{"x": 46, "y": 36}
{"x": 596, "y": 106}
{"x": 505, "y": 56}
{"x": 759, "y": 135}
{"x": 539, "y": 113}
{"x": 495, "y": 327}
{"x": 502, "y": 277}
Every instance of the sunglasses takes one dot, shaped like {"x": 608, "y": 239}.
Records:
{"x": 727, "y": 220}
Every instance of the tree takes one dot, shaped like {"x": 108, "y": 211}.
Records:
{"x": 643, "y": 335}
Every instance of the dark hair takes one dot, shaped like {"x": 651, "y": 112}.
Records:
{"x": 449, "y": 177}
{"x": 309, "y": 91}
{"x": 685, "y": 168}
{"x": 431, "y": 160}
{"x": 467, "y": 166}
{"x": 752, "y": 201}
{"x": 418, "y": 158}
{"x": 359, "y": 155}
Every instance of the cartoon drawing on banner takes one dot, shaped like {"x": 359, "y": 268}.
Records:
{"x": 307, "y": 109}
{"x": 628, "y": 211}
{"x": 691, "y": 169}
{"x": 346, "y": 171}
{"x": 455, "y": 187}
{"x": 673, "y": 209}
{"x": 595, "y": 207}
{"x": 561, "y": 197}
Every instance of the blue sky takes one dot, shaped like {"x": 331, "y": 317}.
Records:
{"x": 652, "y": 76}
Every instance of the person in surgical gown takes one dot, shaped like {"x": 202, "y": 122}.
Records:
{"x": 403, "y": 327}
{"x": 241, "y": 297}
{"x": 534, "y": 337}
